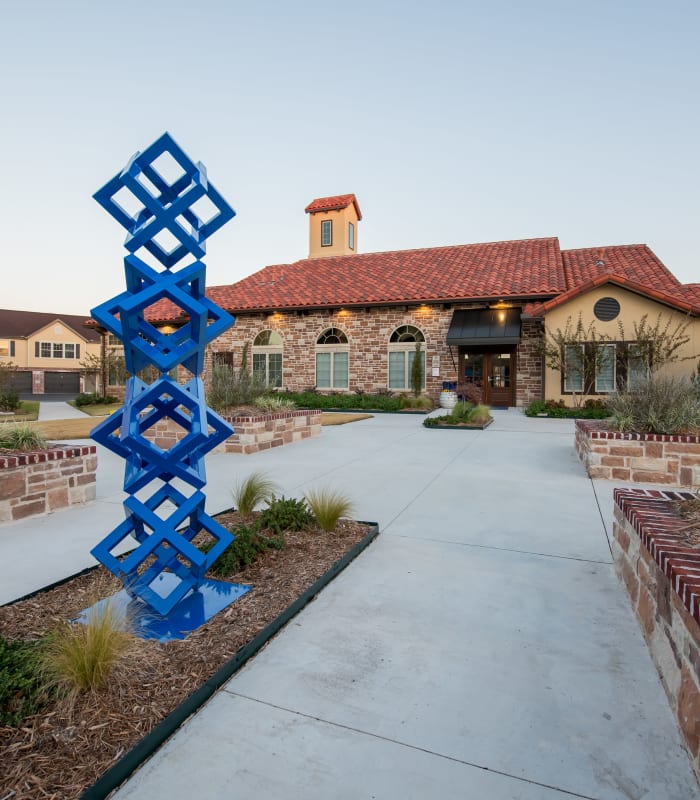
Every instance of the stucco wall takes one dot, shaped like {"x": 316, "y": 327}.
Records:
{"x": 632, "y": 308}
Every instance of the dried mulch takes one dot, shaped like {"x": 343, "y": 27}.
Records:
{"x": 64, "y": 749}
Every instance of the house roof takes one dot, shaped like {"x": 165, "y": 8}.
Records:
{"x": 22, "y": 324}
{"x": 635, "y": 261}
{"x": 672, "y": 297}
{"x": 532, "y": 271}
{"x": 336, "y": 203}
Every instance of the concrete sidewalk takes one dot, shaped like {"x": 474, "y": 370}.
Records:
{"x": 481, "y": 648}
{"x": 58, "y": 409}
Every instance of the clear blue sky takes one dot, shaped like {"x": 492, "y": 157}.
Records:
{"x": 452, "y": 122}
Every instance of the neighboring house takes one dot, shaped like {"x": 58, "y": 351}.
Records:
{"x": 46, "y": 350}
{"x": 343, "y": 321}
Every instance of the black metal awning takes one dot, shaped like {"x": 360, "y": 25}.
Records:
{"x": 485, "y": 326}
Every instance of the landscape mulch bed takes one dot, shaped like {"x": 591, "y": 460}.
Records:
{"x": 64, "y": 749}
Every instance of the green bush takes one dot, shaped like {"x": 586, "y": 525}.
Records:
{"x": 21, "y": 437}
{"x": 243, "y": 550}
{"x": 657, "y": 405}
{"x": 379, "y": 401}
{"x": 229, "y": 388}
{"x": 286, "y": 514}
{"x": 464, "y": 413}
{"x": 94, "y": 399}
{"x": 591, "y": 409}
{"x": 21, "y": 684}
{"x": 328, "y": 507}
{"x": 9, "y": 400}
{"x": 273, "y": 403}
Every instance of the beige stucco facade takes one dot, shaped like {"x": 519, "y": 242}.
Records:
{"x": 633, "y": 307}
{"x": 340, "y": 222}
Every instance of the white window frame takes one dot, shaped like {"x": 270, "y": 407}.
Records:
{"x": 351, "y": 236}
{"x": 333, "y": 350}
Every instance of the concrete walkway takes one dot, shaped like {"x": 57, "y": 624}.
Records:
{"x": 58, "y": 409}
{"x": 481, "y": 648}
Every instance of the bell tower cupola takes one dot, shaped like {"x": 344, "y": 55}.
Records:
{"x": 333, "y": 226}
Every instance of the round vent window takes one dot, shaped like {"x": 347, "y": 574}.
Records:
{"x": 606, "y": 308}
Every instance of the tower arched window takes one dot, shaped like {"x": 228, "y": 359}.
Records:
{"x": 332, "y": 360}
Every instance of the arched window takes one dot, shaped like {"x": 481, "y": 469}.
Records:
{"x": 267, "y": 358}
{"x": 402, "y": 352}
{"x": 332, "y": 356}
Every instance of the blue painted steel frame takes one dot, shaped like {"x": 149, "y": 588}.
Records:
{"x": 164, "y": 524}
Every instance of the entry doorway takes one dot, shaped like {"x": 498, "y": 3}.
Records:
{"x": 490, "y": 372}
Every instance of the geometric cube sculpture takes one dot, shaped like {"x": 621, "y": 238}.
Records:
{"x": 169, "y": 220}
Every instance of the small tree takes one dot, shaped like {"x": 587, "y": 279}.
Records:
{"x": 578, "y": 350}
{"x": 110, "y": 363}
{"x": 417, "y": 371}
{"x": 654, "y": 346}
{"x": 9, "y": 398}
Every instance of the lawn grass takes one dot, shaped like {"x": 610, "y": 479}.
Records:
{"x": 98, "y": 409}
{"x": 28, "y": 411}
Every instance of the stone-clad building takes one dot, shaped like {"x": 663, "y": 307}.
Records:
{"x": 340, "y": 320}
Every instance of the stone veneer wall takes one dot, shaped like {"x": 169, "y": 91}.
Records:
{"x": 368, "y": 333}
{"x": 638, "y": 457}
{"x": 252, "y": 433}
{"x": 661, "y": 572}
{"x": 45, "y": 481}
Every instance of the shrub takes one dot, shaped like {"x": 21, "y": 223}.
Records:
{"x": 94, "y": 399}
{"x": 462, "y": 414}
{"x": 273, "y": 402}
{"x": 9, "y": 400}
{"x": 228, "y": 387}
{"x": 591, "y": 409}
{"x": 243, "y": 550}
{"x": 286, "y": 514}
{"x": 81, "y": 657}
{"x": 328, "y": 507}
{"x": 252, "y": 491}
{"x": 658, "y": 404}
{"x": 21, "y": 685}
{"x": 21, "y": 437}
{"x": 420, "y": 402}
{"x": 379, "y": 401}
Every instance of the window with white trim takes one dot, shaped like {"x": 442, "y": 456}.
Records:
{"x": 332, "y": 360}
{"x": 402, "y": 353}
{"x": 351, "y": 236}
{"x": 267, "y": 358}
{"x": 326, "y": 233}
{"x": 56, "y": 350}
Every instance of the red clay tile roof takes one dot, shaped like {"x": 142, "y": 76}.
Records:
{"x": 634, "y": 261}
{"x": 667, "y": 297}
{"x": 528, "y": 269}
{"x": 336, "y": 203}
{"x": 22, "y": 324}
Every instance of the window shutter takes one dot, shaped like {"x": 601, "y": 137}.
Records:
{"x": 12, "y": 347}
{"x": 77, "y": 351}
{"x": 36, "y": 349}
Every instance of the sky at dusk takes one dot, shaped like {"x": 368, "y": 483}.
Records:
{"x": 452, "y": 122}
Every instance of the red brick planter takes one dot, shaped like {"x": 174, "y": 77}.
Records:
{"x": 252, "y": 433}
{"x": 47, "y": 480}
{"x": 661, "y": 572}
{"x": 638, "y": 457}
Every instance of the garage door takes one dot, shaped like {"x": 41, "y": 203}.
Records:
{"x": 20, "y": 382}
{"x": 61, "y": 382}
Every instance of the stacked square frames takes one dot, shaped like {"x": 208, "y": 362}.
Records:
{"x": 166, "y": 521}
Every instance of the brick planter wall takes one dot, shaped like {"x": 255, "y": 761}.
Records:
{"x": 252, "y": 433}
{"x": 661, "y": 572}
{"x": 637, "y": 457}
{"x": 45, "y": 481}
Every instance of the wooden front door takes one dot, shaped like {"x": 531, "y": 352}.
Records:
{"x": 493, "y": 373}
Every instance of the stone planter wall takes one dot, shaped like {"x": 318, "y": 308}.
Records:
{"x": 252, "y": 433}
{"x": 636, "y": 457}
{"x": 661, "y": 572}
{"x": 45, "y": 481}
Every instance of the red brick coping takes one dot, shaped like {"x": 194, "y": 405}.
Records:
{"x": 252, "y": 433}
{"x": 638, "y": 457}
{"x": 43, "y": 481}
{"x": 661, "y": 573}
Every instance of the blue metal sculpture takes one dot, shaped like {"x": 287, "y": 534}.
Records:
{"x": 165, "y": 566}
